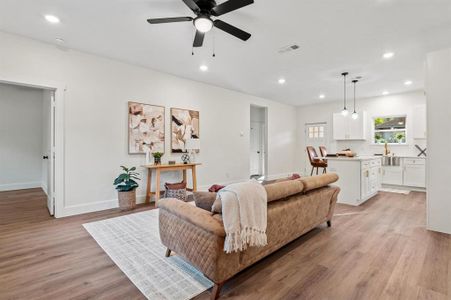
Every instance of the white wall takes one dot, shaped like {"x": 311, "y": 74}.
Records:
{"x": 20, "y": 137}
{"x": 399, "y": 104}
{"x": 96, "y": 119}
{"x": 438, "y": 87}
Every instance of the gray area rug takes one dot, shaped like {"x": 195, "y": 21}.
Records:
{"x": 133, "y": 243}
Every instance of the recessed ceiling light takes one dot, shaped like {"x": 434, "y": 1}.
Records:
{"x": 282, "y": 81}
{"x": 385, "y": 93}
{"x": 59, "y": 40}
{"x": 52, "y": 19}
{"x": 322, "y": 96}
{"x": 388, "y": 55}
{"x": 408, "y": 82}
{"x": 203, "y": 68}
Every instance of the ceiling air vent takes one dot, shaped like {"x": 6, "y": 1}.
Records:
{"x": 288, "y": 48}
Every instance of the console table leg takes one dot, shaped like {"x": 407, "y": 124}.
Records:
{"x": 193, "y": 170}
{"x": 149, "y": 184}
{"x": 157, "y": 187}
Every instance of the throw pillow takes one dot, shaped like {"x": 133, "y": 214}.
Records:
{"x": 175, "y": 190}
{"x": 204, "y": 200}
{"x": 295, "y": 176}
{"x": 216, "y": 188}
{"x": 216, "y": 208}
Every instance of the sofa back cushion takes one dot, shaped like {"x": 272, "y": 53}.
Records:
{"x": 282, "y": 190}
{"x": 316, "y": 182}
{"x": 204, "y": 200}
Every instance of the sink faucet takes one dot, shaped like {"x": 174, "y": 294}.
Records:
{"x": 386, "y": 150}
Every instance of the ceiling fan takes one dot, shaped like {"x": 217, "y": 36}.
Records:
{"x": 203, "y": 22}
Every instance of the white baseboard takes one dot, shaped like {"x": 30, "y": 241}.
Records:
{"x": 19, "y": 186}
{"x": 88, "y": 207}
{"x": 44, "y": 188}
{"x": 109, "y": 204}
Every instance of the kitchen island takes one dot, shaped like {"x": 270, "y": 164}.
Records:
{"x": 360, "y": 177}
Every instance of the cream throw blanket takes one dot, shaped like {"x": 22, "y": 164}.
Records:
{"x": 244, "y": 214}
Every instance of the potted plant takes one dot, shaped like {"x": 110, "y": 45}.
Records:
{"x": 126, "y": 185}
{"x": 157, "y": 157}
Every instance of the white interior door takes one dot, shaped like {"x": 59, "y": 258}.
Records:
{"x": 50, "y": 154}
{"x": 256, "y": 151}
{"x": 315, "y": 136}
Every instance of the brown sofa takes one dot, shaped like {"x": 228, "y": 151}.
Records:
{"x": 294, "y": 208}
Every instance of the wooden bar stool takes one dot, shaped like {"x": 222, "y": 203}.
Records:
{"x": 315, "y": 161}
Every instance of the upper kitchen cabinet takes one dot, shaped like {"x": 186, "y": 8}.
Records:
{"x": 346, "y": 128}
{"x": 419, "y": 122}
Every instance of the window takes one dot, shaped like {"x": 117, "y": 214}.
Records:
{"x": 316, "y": 131}
{"x": 391, "y": 130}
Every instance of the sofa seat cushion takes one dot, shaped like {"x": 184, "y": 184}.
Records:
{"x": 315, "y": 182}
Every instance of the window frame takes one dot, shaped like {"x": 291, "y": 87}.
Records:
{"x": 374, "y": 131}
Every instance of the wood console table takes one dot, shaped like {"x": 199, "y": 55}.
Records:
{"x": 167, "y": 168}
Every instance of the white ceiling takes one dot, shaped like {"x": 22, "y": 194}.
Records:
{"x": 334, "y": 36}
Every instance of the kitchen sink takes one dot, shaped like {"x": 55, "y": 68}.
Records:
{"x": 392, "y": 161}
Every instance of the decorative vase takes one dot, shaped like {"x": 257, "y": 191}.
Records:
{"x": 127, "y": 200}
{"x": 147, "y": 157}
{"x": 157, "y": 160}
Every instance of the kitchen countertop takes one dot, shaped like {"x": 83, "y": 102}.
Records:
{"x": 355, "y": 158}
{"x": 367, "y": 157}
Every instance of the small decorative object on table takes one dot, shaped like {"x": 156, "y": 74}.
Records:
{"x": 193, "y": 146}
{"x": 185, "y": 158}
{"x": 157, "y": 157}
{"x": 126, "y": 185}
{"x": 175, "y": 190}
{"x": 171, "y": 162}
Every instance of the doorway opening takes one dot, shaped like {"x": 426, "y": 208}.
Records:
{"x": 27, "y": 142}
{"x": 258, "y": 142}
{"x": 316, "y": 134}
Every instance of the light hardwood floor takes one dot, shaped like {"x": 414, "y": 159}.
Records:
{"x": 380, "y": 250}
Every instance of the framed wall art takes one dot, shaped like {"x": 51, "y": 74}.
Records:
{"x": 145, "y": 128}
{"x": 184, "y": 126}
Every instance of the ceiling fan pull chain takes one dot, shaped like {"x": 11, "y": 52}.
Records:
{"x": 192, "y": 49}
{"x": 214, "y": 43}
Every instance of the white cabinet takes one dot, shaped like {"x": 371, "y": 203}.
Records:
{"x": 392, "y": 175}
{"x": 411, "y": 173}
{"x": 415, "y": 172}
{"x": 371, "y": 178}
{"x": 419, "y": 122}
{"x": 340, "y": 124}
{"x": 358, "y": 179}
{"x": 346, "y": 128}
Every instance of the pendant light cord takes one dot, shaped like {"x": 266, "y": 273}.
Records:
{"x": 355, "y": 83}
{"x": 344, "y": 88}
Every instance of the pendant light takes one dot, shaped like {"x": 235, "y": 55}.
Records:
{"x": 355, "y": 115}
{"x": 344, "y": 112}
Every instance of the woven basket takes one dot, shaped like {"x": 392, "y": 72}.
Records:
{"x": 127, "y": 200}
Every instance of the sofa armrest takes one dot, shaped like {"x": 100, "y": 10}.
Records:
{"x": 198, "y": 237}
{"x": 194, "y": 215}
{"x": 333, "y": 202}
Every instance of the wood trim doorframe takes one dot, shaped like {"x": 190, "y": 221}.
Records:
{"x": 58, "y": 127}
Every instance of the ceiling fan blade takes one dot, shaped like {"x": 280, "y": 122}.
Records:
{"x": 192, "y": 5}
{"x": 229, "y": 6}
{"x": 169, "y": 20}
{"x": 243, "y": 35}
{"x": 198, "y": 39}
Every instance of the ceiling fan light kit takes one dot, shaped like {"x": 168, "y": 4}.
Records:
{"x": 203, "y": 22}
